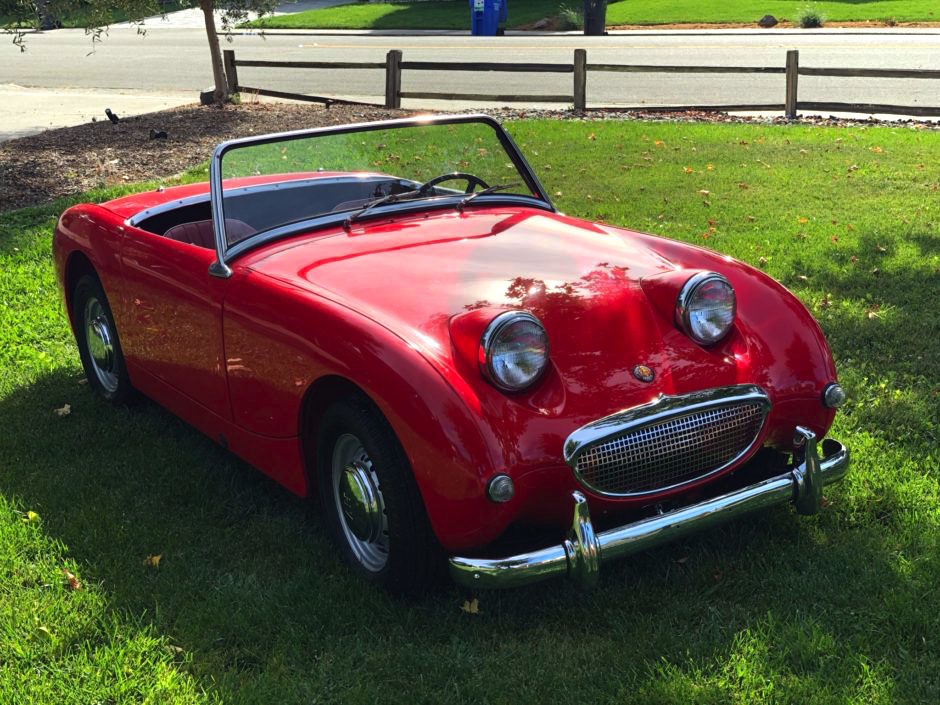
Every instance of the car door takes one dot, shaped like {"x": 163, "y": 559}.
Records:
{"x": 172, "y": 309}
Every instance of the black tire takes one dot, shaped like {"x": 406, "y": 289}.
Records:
{"x": 109, "y": 378}
{"x": 414, "y": 560}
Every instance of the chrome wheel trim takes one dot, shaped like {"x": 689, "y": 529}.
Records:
{"x": 359, "y": 503}
{"x": 99, "y": 337}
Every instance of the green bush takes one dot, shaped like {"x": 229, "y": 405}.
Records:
{"x": 810, "y": 17}
{"x": 570, "y": 18}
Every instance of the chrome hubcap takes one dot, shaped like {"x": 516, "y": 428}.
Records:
{"x": 100, "y": 340}
{"x": 359, "y": 503}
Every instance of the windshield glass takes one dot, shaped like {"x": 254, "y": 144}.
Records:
{"x": 279, "y": 181}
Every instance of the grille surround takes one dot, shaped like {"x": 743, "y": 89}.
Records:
{"x": 668, "y": 443}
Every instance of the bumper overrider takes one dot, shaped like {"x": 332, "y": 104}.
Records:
{"x": 580, "y": 555}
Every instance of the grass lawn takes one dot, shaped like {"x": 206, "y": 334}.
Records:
{"x": 248, "y": 603}
{"x": 455, "y": 14}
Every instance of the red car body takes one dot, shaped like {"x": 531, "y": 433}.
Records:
{"x": 396, "y": 306}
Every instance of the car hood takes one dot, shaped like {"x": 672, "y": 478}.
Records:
{"x": 414, "y": 274}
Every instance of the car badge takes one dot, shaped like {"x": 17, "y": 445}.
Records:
{"x": 643, "y": 373}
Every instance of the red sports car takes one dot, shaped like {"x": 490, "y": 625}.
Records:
{"x": 394, "y": 316}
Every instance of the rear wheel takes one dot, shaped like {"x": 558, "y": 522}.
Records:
{"x": 97, "y": 339}
{"x": 371, "y": 502}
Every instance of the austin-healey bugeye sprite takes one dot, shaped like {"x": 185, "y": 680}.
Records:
{"x": 394, "y": 316}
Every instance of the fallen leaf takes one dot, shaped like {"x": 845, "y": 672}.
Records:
{"x": 704, "y": 192}
{"x": 592, "y": 137}
{"x": 750, "y": 218}
{"x": 683, "y": 560}
{"x": 153, "y": 560}
{"x": 825, "y": 302}
{"x": 471, "y": 606}
{"x": 802, "y": 278}
{"x": 762, "y": 261}
{"x": 64, "y": 410}
{"x": 83, "y": 380}
{"x": 881, "y": 248}
{"x": 710, "y": 167}
{"x": 803, "y": 220}
{"x": 71, "y": 580}
{"x": 743, "y": 186}
{"x": 32, "y": 517}
{"x": 44, "y": 633}
{"x": 558, "y": 193}
{"x": 876, "y": 271}
{"x": 659, "y": 143}
{"x": 853, "y": 259}
{"x": 876, "y": 150}
{"x": 687, "y": 169}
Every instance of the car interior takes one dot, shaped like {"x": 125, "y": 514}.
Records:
{"x": 253, "y": 209}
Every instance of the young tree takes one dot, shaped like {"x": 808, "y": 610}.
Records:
{"x": 95, "y": 15}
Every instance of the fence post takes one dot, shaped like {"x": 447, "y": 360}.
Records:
{"x": 393, "y": 79}
{"x": 580, "y": 79}
{"x": 231, "y": 73}
{"x": 793, "y": 75}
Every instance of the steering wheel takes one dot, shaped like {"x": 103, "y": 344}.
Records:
{"x": 472, "y": 182}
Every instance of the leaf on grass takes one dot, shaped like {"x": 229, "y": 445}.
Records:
{"x": 762, "y": 261}
{"x": 659, "y": 143}
{"x": 802, "y": 278}
{"x": 704, "y": 192}
{"x": 31, "y": 517}
{"x": 802, "y": 220}
{"x": 876, "y": 271}
{"x": 153, "y": 560}
{"x": 43, "y": 632}
{"x": 876, "y": 150}
{"x": 70, "y": 579}
{"x": 592, "y": 137}
{"x": 881, "y": 248}
{"x": 743, "y": 186}
{"x": 471, "y": 606}
{"x": 853, "y": 259}
{"x": 64, "y": 410}
{"x": 683, "y": 560}
{"x": 750, "y": 218}
{"x": 710, "y": 167}
{"x": 687, "y": 169}
{"x": 825, "y": 302}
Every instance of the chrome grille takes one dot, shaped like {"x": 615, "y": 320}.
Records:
{"x": 671, "y": 452}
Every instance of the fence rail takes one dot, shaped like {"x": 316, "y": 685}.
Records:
{"x": 394, "y": 65}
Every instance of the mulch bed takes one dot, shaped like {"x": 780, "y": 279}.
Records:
{"x": 42, "y": 167}
{"x": 37, "y": 169}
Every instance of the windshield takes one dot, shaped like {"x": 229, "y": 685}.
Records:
{"x": 283, "y": 179}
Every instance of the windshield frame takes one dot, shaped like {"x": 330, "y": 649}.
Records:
{"x": 225, "y": 253}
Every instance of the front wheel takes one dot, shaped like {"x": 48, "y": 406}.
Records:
{"x": 97, "y": 339}
{"x": 371, "y": 502}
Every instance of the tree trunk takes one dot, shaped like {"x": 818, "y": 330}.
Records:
{"x": 595, "y": 17}
{"x": 218, "y": 70}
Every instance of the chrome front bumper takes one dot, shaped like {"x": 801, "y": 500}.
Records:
{"x": 580, "y": 555}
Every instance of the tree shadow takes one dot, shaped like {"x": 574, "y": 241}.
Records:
{"x": 250, "y": 588}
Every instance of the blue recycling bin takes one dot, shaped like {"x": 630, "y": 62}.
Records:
{"x": 485, "y": 16}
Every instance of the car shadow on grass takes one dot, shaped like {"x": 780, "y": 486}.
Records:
{"x": 249, "y": 587}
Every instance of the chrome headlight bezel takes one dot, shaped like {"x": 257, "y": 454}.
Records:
{"x": 685, "y": 304}
{"x": 499, "y": 326}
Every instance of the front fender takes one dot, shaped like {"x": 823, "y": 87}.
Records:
{"x": 280, "y": 339}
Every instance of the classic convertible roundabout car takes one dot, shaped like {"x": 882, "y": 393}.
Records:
{"x": 393, "y": 315}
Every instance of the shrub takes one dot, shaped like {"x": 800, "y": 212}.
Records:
{"x": 570, "y": 18}
{"x": 810, "y": 17}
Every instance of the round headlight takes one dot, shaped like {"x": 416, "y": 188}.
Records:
{"x": 705, "y": 307}
{"x": 514, "y": 350}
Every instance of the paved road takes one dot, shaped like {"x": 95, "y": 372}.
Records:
{"x": 175, "y": 61}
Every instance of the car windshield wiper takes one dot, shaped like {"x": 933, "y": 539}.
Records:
{"x": 387, "y": 198}
{"x": 488, "y": 190}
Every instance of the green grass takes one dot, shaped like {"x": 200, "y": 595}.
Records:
{"x": 81, "y": 16}
{"x": 250, "y": 605}
{"x": 456, "y": 14}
